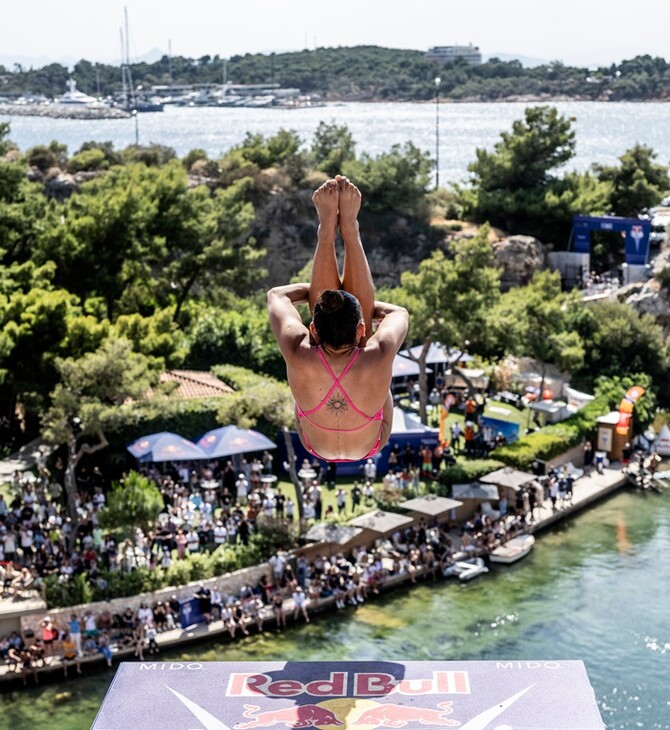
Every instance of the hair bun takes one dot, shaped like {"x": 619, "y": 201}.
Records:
{"x": 332, "y": 300}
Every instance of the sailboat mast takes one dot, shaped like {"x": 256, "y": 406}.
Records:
{"x": 124, "y": 88}
{"x": 130, "y": 77}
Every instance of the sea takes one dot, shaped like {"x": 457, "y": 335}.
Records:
{"x": 594, "y": 588}
{"x": 450, "y": 132}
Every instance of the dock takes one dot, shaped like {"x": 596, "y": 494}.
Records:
{"x": 62, "y": 111}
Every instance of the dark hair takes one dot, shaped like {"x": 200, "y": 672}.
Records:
{"x": 337, "y": 314}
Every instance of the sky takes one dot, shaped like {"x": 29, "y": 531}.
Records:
{"x": 577, "y": 32}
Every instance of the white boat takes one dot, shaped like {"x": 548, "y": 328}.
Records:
{"x": 466, "y": 569}
{"x": 513, "y": 550}
{"x": 74, "y": 98}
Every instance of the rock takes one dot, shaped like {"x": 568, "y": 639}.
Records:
{"x": 520, "y": 257}
{"x": 60, "y": 186}
{"x": 651, "y": 299}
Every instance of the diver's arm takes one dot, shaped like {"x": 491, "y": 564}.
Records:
{"x": 285, "y": 319}
{"x": 392, "y": 329}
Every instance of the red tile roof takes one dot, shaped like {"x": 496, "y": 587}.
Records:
{"x": 193, "y": 384}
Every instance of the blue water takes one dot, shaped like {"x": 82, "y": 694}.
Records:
{"x": 604, "y": 131}
{"x": 594, "y": 589}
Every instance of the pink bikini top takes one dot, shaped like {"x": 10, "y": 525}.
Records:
{"x": 379, "y": 415}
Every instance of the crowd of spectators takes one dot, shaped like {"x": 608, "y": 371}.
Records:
{"x": 204, "y": 508}
{"x": 288, "y": 589}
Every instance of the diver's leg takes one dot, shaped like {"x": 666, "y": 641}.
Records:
{"x": 325, "y": 273}
{"x": 356, "y": 276}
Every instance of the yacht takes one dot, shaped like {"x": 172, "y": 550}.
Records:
{"x": 74, "y": 98}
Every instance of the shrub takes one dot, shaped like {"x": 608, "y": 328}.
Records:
{"x": 463, "y": 473}
{"x": 93, "y": 159}
{"x": 552, "y": 440}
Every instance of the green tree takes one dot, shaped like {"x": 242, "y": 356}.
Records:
{"x": 34, "y": 324}
{"x": 637, "y": 183}
{"x": 396, "y": 180}
{"x": 332, "y": 146}
{"x": 84, "y": 402}
{"x": 614, "y": 387}
{"x": 618, "y": 341}
{"x": 239, "y": 334}
{"x": 544, "y": 314}
{"x": 448, "y": 298}
{"x": 133, "y": 502}
{"x": 509, "y": 185}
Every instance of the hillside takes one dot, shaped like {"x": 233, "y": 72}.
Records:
{"x": 365, "y": 73}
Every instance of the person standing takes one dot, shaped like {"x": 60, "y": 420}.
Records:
{"x": 341, "y": 499}
{"x": 356, "y": 494}
{"x": 456, "y": 435}
{"x": 242, "y": 489}
{"x": 74, "y": 627}
{"x": 370, "y": 471}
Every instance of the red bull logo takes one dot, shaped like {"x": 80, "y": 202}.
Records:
{"x": 293, "y": 717}
{"x": 341, "y": 684}
{"x": 388, "y": 715}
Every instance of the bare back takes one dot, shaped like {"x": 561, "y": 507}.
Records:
{"x": 347, "y": 419}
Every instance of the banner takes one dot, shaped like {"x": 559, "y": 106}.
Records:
{"x": 508, "y": 429}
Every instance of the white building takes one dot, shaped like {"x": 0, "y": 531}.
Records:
{"x": 443, "y": 54}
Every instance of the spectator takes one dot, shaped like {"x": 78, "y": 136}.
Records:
{"x": 70, "y": 653}
{"x": 105, "y": 648}
{"x": 300, "y": 601}
{"x": 74, "y": 628}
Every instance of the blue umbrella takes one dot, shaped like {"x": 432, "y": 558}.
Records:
{"x": 230, "y": 440}
{"x": 165, "y": 446}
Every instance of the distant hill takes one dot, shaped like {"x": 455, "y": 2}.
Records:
{"x": 525, "y": 61}
{"x": 365, "y": 73}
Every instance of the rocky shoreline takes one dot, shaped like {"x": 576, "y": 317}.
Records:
{"x": 56, "y": 111}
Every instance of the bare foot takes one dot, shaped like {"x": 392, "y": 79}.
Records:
{"x": 326, "y": 202}
{"x": 350, "y": 201}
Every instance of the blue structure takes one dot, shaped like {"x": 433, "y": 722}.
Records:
{"x": 637, "y": 235}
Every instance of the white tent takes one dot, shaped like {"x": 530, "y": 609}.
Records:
{"x": 662, "y": 443}
{"x": 475, "y": 491}
{"x": 403, "y": 366}
{"x": 404, "y": 421}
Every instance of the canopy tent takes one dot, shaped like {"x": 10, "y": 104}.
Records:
{"x": 382, "y": 523}
{"x": 403, "y": 367}
{"x": 165, "y": 446}
{"x": 231, "y": 440}
{"x": 662, "y": 443}
{"x": 553, "y": 411}
{"x": 438, "y": 354}
{"x": 431, "y": 505}
{"x": 475, "y": 491}
{"x": 404, "y": 421}
{"x": 508, "y": 477}
{"x": 340, "y": 535}
{"x": 459, "y": 379}
{"x": 29, "y": 456}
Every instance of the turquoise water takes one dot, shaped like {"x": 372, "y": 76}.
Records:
{"x": 594, "y": 589}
